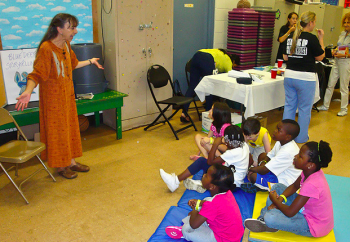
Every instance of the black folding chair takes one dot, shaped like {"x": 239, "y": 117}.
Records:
{"x": 188, "y": 72}
{"x": 158, "y": 77}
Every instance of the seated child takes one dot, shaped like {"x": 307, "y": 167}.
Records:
{"x": 304, "y": 207}
{"x": 278, "y": 164}
{"x": 237, "y": 154}
{"x": 258, "y": 139}
{"x": 220, "y": 113}
{"x": 216, "y": 218}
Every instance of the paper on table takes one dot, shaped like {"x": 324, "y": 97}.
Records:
{"x": 85, "y": 96}
{"x": 257, "y": 79}
{"x": 236, "y": 74}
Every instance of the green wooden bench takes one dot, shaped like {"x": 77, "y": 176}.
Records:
{"x": 102, "y": 101}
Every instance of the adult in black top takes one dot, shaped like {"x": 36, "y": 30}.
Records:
{"x": 303, "y": 57}
{"x": 285, "y": 31}
{"x": 300, "y": 76}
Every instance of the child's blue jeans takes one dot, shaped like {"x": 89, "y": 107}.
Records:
{"x": 199, "y": 164}
{"x": 275, "y": 219}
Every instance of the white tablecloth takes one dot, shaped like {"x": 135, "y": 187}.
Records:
{"x": 257, "y": 97}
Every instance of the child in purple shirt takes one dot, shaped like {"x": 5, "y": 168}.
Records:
{"x": 305, "y": 207}
{"x": 215, "y": 218}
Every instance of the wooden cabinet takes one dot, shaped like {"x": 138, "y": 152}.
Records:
{"x": 137, "y": 34}
{"x": 328, "y": 18}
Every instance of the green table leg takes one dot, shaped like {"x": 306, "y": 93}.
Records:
{"x": 118, "y": 111}
{"x": 97, "y": 119}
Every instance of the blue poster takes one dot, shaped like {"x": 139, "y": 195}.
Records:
{"x": 23, "y": 23}
{"x": 331, "y": 2}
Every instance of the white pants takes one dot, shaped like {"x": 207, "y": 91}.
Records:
{"x": 255, "y": 152}
{"x": 202, "y": 234}
{"x": 341, "y": 70}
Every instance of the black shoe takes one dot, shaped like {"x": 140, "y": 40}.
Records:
{"x": 250, "y": 188}
{"x": 184, "y": 119}
{"x": 257, "y": 225}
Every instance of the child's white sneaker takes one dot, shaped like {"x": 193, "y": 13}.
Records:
{"x": 322, "y": 108}
{"x": 343, "y": 112}
{"x": 195, "y": 185}
{"x": 170, "y": 180}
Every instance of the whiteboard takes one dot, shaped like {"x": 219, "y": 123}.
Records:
{"x": 16, "y": 65}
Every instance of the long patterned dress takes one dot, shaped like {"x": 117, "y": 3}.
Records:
{"x": 59, "y": 125}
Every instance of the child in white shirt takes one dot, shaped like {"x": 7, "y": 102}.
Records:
{"x": 237, "y": 154}
{"x": 276, "y": 166}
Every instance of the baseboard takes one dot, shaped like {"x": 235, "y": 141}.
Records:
{"x": 109, "y": 120}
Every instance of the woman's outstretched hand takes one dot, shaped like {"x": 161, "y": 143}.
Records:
{"x": 23, "y": 101}
{"x": 95, "y": 62}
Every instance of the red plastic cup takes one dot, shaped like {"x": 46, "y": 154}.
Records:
{"x": 273, "y": 73}
{"x": 279, "y": 63}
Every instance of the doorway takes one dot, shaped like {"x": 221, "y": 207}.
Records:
{"x": 193, "y": 30}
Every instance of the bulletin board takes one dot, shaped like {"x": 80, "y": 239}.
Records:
{"x": 16, "y": 65}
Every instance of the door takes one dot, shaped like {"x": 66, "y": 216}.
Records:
{"x": 159, "y": 42}
{"x": 132, "y": 62}
{"x": 193, "y": 30}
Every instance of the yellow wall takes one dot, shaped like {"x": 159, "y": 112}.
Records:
{"x": 2, "y": 90}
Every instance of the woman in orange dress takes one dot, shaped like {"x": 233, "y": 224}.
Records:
{"x": 53, "y": 66}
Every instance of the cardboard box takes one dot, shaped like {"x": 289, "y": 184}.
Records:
{"x": 263, "y": 120}
{"x": 206, "y": 121}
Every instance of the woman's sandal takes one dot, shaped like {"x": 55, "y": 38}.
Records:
{"x": 68, "y": 173}
{"x": 80, "y": 167}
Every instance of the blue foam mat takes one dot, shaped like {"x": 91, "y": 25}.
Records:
{"x": 173, "y": 217}
{"x": 340, "y": 191}
{"x": 198, "y": 176}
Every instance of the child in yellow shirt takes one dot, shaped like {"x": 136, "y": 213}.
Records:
{"x": 258, "y": 139}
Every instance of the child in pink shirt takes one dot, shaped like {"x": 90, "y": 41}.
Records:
{"x": 215, "y": 218}
{"x": 220, "y": 113}
{"x": 305, "y": 207}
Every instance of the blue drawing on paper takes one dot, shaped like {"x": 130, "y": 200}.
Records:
{"x": 23, "y": 23}
{"x": 21, "y": 81}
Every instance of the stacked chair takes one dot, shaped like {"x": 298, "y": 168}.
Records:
{"x": 265, "y": 36}
{"x": 242, "y": 36}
